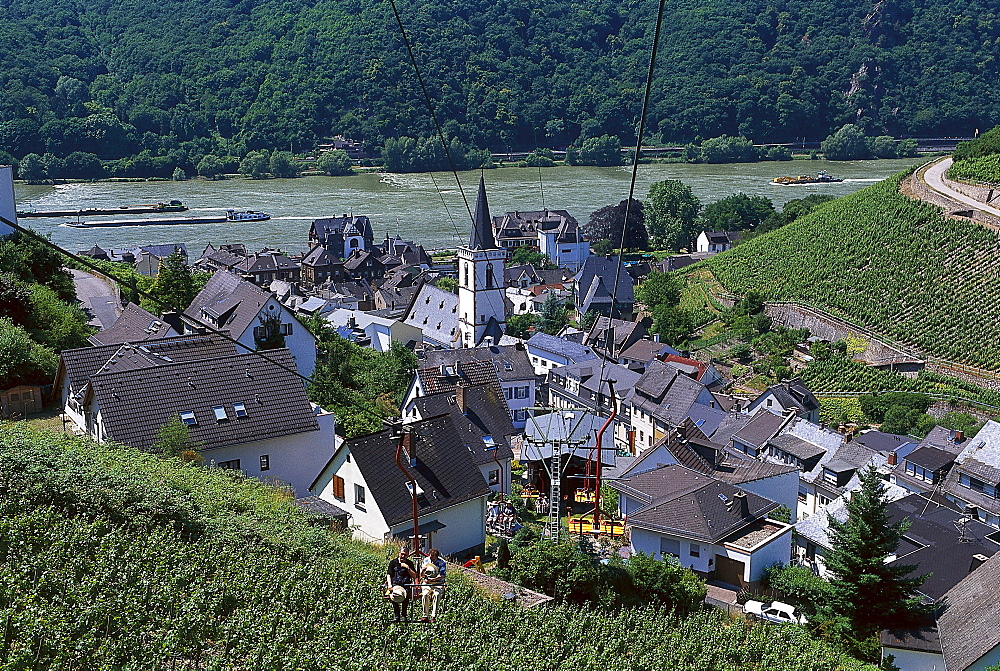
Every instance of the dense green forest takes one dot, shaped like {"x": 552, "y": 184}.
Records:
{"x": 181, "y": 80}
{"x": 886, "y": 262}
{"x": 111, "y": 558}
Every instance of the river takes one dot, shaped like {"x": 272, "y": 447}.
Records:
{"x": 425, "y": 208}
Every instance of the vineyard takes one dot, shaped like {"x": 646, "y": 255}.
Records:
{"x": 114, "y": 559}
{"x": 984, "y": 169}
{"x": 883, "y": 261}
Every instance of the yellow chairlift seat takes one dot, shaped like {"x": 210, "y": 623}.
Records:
{"x": 584, "y": 496}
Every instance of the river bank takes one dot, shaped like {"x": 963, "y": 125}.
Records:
{"x": 425, "y": 207}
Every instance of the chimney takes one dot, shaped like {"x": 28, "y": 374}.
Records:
{"x": 892, "y": 458}
{"x": 742, "y": 504}
{"x": 656, "y": 337}
{"x": 173, "y": 319}
{"x": 959, "y": 436}
{"x": 460, "y": 396}
{"x": 977, "y": 561}
{"x": 410, "y": 444}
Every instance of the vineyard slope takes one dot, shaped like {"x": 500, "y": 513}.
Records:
{"x": 885, "y": 262}
{"x": 114, "y": 559}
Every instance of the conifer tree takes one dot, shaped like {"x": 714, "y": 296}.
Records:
{"x": 867, "y": 591}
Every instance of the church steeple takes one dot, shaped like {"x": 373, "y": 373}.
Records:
{"x": 482, "y": 224}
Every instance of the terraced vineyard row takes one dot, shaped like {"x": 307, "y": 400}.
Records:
{"x": 980, "y": 169}
{"x": 885, "y": 262}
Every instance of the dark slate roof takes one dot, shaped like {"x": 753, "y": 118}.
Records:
{"x": 646, "y": 350}
{"x": 318, "y": 256}
{"x": 482, "y": 225}
{"x": 759, "y": 429}
{"x": 163, "y": 251}
{"x": 486, "y": 414}
{"x": 317, "y": 507}
{"x": 930, "y": 458}
{"x": 264, "y": 262}
{"x": 231, "y": 299}
{"x": 510, "y": 361}
{"x": 446, "y": 377}
{"x": 970, "y": 622}
{"x": 794, "y": 393}
{"x": 625, "y": 331}
{"x": 665, "y": 393}
{"x": 922, "y": 639}
{"x": 571, "y": 350}
{"x": 605, "y": 268}
{"x": 136, "y": 403}
{"x": 722, "y": 237}
{"x": 797, "y": 447}
{"x": 683, "y": 502}
{"x": 945, "y": 439}
{"x": 883, "y": 442}
{"x": 445, "y": 469}
{"x": 133, "y": 325}
{"x": 435, "y": 312}
{"x": 79, "y": 365}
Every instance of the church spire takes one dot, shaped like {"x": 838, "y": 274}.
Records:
{"x": 482, "y": 225}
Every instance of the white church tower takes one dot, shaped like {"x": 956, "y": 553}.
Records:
{"x": 8, "y": 210}
{"x": 481, "y": 312}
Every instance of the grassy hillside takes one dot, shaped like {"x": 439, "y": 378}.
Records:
{"x": 114, "y": 559}
{"x": 182, "y": 79}
{"x": 887, "y": 263}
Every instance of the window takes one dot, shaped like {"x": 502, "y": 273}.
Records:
{"x": 359, "y": 496}
{"x": 220, "y": 413}
{"x": 494, "y": 477}
{"x": 232, "y": 464}
{"x": 187, "y": 416}
{"x": 338, "y": 487}
{"x": 695, "y": 550}
{"x": 286, "y": 329}
{"x": 240, "y": 409}
{"x": 829, "y": 476}
{"x": 823, "y": 500}
{"x": 769, "y": 402}
{"x": 802, "y": 496}
{"x": 265, "y": 462}
{"x": 520, "y": 415}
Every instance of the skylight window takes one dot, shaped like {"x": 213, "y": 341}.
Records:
{"x": 240, "y": 409}
{"x": 220, "y": 413}
{"x": 187, "y": 416}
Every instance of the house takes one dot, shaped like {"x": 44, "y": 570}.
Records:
{"x": 226, "y": 257}
{"x": 481, "y": 416}
{"x": 576, "y": 386}
{"x": 435, "y": 312}
{"x": 251, "y": 315}
{"x": 515, "y": 374}
{"x": 20, "y": 401}
{"x": 664, "y": 397}
{"x": 350, "y": 294}
{"x": 751, "y": 439}
{"x": 554, "y": 232}
{"x": 320, "y": 266}
{"x": 605, "y": 287}
{"x": 246, "y": 410}
{"x": 974, "y": 480}
{"x": 409, "y": 253}
{"x": 927, "y": 465}
{"x": 97, "y": 254}
{"x": 133, "y": 325}
{"x": 151, "y": 257}
{"x": 940, "y": 540}
{"x": 969, "y": 622}
{"x": 365, "y": 265}
{"x": 716, "y": 529}
{"x": 267, "y": 266}
{"x": 342, "y": 235}
{"x": 705, "y": 373}
{"x": 786, "y": 396}
{"x": 610, "y": 337}
{"x": 887, "y": 442}
{"x": 716, "y": 241}
{"x": 547, "y": 351}
{"x": 688, "y": 446}
{"x": 641, "y": 353}
{"x": 380, "y": 332}
{"x": 363, "y": 478}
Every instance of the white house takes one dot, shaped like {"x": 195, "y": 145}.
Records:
{"x": 716, "y": 241}
{"x": 665, "y": 396}
{"x": 245, "y": 411}
{"x": 381, "y": 332}
{"x": 554, "y": 232}
{"x": 248, "y": 312}
{"x": 548, "y": 351}
{"x": 791, "y": 396}
{"x": 712, "y": 527}
{"x": 364, "y": 479}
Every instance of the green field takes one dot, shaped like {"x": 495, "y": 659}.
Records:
{"x": 984, "y": 169}
{"x": 885, "y": 262}
{"x": 115, "y": 559}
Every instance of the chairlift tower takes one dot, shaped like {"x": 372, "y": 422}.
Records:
{"x": 559, "y": 434}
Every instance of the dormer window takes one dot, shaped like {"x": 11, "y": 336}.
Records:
{"x": 188, "y": 418}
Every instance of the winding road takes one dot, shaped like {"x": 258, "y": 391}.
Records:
{"x": 934, "y": 177}
{"x": 98, "y": 298}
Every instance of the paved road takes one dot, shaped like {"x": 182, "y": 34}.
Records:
{"x": 98, "y": 298}
{"x": 934, "y": 176}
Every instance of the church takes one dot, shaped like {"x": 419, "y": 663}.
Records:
{"x": 477, "y": 315}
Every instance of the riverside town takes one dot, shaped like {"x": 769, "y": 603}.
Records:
{"x": 502, "y": 336}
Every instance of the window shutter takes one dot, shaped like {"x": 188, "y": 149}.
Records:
{"x": 338, "y": 487}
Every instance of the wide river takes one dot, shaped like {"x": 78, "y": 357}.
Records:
{"x": 426, "y": 208}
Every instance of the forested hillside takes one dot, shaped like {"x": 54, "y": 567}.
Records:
{"x": 228, "y": 76}
{"x": 115, "y": 559}
{"x": 885, "y": 262}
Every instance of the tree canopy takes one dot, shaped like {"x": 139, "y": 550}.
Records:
{"x": 606, "y": 224}
{"x": 671, "y": 210}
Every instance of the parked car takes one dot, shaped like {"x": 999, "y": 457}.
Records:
{"x": 775, "y": 611}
